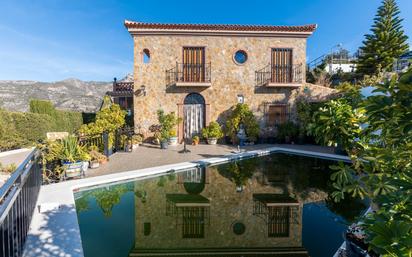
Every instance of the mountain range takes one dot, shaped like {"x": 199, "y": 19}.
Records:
{"x": 69, "y": 94}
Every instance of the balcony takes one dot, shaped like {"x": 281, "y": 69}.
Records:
{"x": 121, "y": 89}
{"x": 280, "y": 76}
{"x": 189, "y": 75}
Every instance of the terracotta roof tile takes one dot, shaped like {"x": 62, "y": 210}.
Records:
{"x": 225, "y": 27}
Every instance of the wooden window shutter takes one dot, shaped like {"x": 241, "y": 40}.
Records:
{"x": 194, "y": 64}
{"x": 277, "y": 114}
{"x": 282, "y": 65}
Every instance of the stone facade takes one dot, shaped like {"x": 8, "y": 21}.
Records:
{"x": 228, "y": 79}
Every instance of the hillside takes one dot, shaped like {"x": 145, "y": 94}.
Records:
{"x": 68, "y": 94}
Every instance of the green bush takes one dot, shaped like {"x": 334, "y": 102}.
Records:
{"x": 212, "y": 131}
{"x": 167, "y": 123}
{"x": 18, "y": 129}
{"x": 288, "y": 129}
{"x": 63, "y": 120}
{"x": 241, "y": 114}
{"x": 336, "y": 124}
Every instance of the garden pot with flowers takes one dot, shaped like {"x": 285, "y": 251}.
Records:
{"x": 212, "y": 133}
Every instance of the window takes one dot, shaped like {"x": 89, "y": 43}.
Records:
{"x": 147, "y": 228}
{"x": 281, "y": 65}
{"x": 194, "y": 64}
{"x": 277, "y": 114}
{"x": 146, "y": 55}
{"x": 240, "y": 57}
{"x": 193, "y": 222}
{"x": 278, "y": 224}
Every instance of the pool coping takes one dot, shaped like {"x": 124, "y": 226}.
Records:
{"x": 56, "y": 203}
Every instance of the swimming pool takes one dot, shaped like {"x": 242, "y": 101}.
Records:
{"x": 259, "y": 206}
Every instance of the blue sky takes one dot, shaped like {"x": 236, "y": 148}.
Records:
{"x": 51, "y": 40}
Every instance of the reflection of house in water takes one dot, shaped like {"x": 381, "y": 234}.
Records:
{"x": 201, "y": 212}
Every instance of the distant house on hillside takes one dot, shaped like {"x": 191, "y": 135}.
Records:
{"x": 403, "y": 63}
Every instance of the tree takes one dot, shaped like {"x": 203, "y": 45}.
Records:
{"x": 381, "y": 167}
{"x": 386, "y": 43}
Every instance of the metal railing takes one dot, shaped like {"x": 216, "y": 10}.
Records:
{"x": 189, "y": 72}
{"x": 18, "y": 198}
{"x": 279, "y": 74}
{"x": 122, "y": 86}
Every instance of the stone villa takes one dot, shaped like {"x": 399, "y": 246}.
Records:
{"x": 200, "y": 71}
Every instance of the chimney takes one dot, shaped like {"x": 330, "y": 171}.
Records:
{"x": 114, "y": 83}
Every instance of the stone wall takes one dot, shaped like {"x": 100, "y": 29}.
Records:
{"x": 229, "y": 79}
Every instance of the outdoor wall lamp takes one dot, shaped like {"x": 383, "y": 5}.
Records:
{"x": 306, "y": 90}
{"x": 141, "y": 91}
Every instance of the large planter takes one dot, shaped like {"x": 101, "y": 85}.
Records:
{"x": 173, "y": 141}
{"x": 94, "y": 164}
{"x": 163, "y": 144}
{"x": 212, "y": 141}
{"x": 73, "y": 169}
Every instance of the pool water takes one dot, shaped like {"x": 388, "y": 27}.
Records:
{"x": 263, "y": 206}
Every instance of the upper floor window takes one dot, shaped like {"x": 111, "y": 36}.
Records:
{"x": 146, "y": 55}
{"x": 240, "y": 57}
{"x": 282, "y": 59}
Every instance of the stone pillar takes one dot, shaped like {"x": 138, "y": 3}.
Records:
{"x": 207, "y": 114}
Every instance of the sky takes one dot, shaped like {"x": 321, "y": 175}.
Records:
{"x": 51, "y": 40}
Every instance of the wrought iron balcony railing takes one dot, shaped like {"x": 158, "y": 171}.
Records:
{"x": 279, "y": 75}
{"x": 189, "y": 74}
{"x": 122, "y": 86}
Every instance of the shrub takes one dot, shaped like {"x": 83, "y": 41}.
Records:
{"x": 241, "y": 114}
{"x": 68, "y": 149}
{"x": 110, "y": 118}
{"x": 336, "y": 124}
{"x": 288, "y": 129}
{"x": 167, "y": 123}
{"x": 212, "y": 131}
{"x": 18, "y": 129}
{"x": 62, "y": 120}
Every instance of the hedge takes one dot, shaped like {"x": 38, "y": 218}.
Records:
{"x": 20, "y": 129}
{"x": 63, "y": 120}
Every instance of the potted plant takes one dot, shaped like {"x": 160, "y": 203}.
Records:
{"x": 96, "y": 158}
{"x": 72, "y": 156}
{"x": 195, "y": 140}
{"x": 173, "y": 137}
{"x": 167, "y": 123}
{"x": 137, "y": 140}
{"x": 212, "y": 133}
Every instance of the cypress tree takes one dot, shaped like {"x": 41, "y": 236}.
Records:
{"x": 386, "y": 42}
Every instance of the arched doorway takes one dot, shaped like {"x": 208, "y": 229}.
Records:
{"x": 193, "y": 114}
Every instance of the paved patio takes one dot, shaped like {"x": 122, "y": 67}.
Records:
{"x": 147, "y": 156}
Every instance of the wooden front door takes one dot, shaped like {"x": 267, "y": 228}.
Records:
{"x": 193, "y": 64}
{"x": 281, "y": 65}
